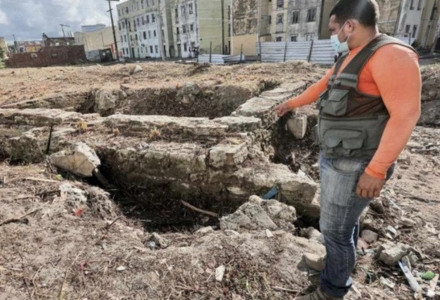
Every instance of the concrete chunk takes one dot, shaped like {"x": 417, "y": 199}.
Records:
{"x": 80, "y": 159}
{"x": 298, "y": 126}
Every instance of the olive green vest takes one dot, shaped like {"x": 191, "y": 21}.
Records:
{"x": 350, "y": 123}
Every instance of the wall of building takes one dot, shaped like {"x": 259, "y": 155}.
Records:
{"x": 246, "y": 27}
{"x": 301, "y": 20}
{"x": 48, "y": 56}
{"x": 213, "y": 24}
{"x": 430, "y": 24}
{"x": 98, "y": 40}
{"x": 410, "y": 18}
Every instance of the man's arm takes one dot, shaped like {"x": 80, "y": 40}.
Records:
{"x": 396, "y": 72}
{"x": 307, "y": 97}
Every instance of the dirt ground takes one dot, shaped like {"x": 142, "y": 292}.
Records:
{"x": 63, "y": 238}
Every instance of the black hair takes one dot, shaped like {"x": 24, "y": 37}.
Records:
{"x": 366, "y": 12}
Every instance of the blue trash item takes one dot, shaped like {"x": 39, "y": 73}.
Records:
{"x": 271, "y": 194}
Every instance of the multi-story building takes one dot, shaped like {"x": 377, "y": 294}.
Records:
{"x": 429, "y": 33}
{"x": 186, "y": 28}
{"x": 410, "y": 18}
{"x": 250, "y": 22}
{"x": 296, "y": 20}
{"x": 98, "y": 40}
{"x": 145, "y": 29}
{"x": 170, "y": 28}
{"x": 201, "y": 26}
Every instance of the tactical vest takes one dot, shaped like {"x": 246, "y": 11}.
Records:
{"x": 350, "y": 123}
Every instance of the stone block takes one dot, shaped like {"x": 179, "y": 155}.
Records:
{"x": 298, "y": 126}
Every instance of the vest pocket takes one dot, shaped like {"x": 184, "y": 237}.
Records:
{"x": 336, "y": 104}
{"x": 341, "y": 142}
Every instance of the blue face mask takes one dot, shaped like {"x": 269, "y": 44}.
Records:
{"x": 337, "y": 45}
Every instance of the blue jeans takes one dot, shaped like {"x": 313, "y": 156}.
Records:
{"x": 339, "y": 221}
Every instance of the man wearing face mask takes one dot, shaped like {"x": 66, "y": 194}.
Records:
{"x": 369, "y": 104}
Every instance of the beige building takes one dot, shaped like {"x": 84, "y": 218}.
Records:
{"x": 4, "y": 47}
{"x": 429, "y": 32}
{"x": 98, "y": 40}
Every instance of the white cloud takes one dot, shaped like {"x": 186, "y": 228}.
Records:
{"x": 3, "y": 18}
{"x": 30, "y": 18}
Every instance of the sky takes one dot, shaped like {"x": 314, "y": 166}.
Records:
{"x": 28, "y": 19}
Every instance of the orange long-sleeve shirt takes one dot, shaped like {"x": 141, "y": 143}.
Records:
{"x": 393, "y": 72}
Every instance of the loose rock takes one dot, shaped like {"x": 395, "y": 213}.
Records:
{"x": 369, "y": 236}
{"x": 80, "y": 160}
{"x": 391, "y": 253}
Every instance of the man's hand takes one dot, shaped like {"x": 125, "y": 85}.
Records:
{"x": 369, "y": 187}
{"x": 282, "y": 109}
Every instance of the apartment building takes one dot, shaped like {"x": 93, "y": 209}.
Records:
{"x": 201, "y": 26}
{"x": 145, "y": 27}
{"x": 296, "y": 20}
{"x": 429, "y": 33}
{"x": 410, "y": 18}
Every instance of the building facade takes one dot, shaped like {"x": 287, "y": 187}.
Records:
{"x": 98, "y": 40}
{"x": 57, "y": 41}
{"x": 410, "y": 18}
{"x": 429, "y": 33}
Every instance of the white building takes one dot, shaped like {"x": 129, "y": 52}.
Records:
{"x": 186, "y": 28}
{"x": 148, "y": 34}
{"x": 410, "y": 18}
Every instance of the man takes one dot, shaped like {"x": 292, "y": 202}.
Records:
{"x": 369, "y": 104}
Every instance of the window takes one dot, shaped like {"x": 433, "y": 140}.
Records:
{"x": 148, "y": 3}
{"x": 153, "y": 18}
{"x": 176, "y": 13}
{"x": 142, "y": 3}
{"x": 152, "y": 2}
{"x": 185, "y": 47}
{"x": 123, "y": 25}
{"x": 156, "y": 48}
{"x": 125, "y": 38}
{"x": 184, "y": 28}
{"x": 126, "y": 10}
{"x": 122, "y": 38}
{"x": 182, "y": 8}
{"x": 123, "y": 51}
{"x": 149, "y": 34}
{"x": 142, "y": 49}
{"x": 191, "y": 27}
{"x": 119, "y": 12}
{"x": 311, "y": 15}
{"x": 154, "y": 33}
{"x": 229, "y": 12}
{"x": 279, "y": 39}
{"x": 143, "y": 20}
{"x": 138, "y": 22}
{"x": 148, "y": 19}
{"x": 151, "y": 49}
{"x": 190, "y": 8}
{"x": 293, "y": 38}
{"x": 120, "y": 27}
{"x": 295, "y": 17}
{"x": 310, "y": 36}
{"x": 280, "y": 3}
{"x": 136, "y": 37}
{"x": 145, "y": 35}
{"x": 270, "y": 20}
{"x": 280, "y": 19}
{"x": 177, "y": 30}
{"x": 414, "y": 31}
{"x": 419, "y": 6}
{"x": 412, "y": 5}
{"x": 407, "y": 28}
